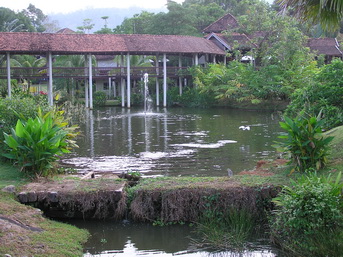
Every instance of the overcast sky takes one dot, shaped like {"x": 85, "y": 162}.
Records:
{"x": 66, "y": 6}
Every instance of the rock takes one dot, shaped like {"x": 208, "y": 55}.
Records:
{"x": 53, "y": 197}
{"x": 9, "y": 189}
{"x": 31, "y": 197}
{"x": 22, "y": 196}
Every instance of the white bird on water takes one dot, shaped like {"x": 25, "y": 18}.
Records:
{"x": 244, "y": 127}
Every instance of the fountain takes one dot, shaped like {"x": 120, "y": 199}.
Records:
{"x": 147, "y": 97}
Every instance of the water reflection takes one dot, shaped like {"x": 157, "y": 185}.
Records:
{"x": 174, "y": 141}
{"x": 130, "y": 239}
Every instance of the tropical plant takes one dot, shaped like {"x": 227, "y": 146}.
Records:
{"x": 324, "y": 96}
{"x": 30, "y": 65}
{"x": 308, "y": 220}
{"x": 35, "y": 144}
{"x": 328, "y": 13}
{"x": 305, "y": 142}
{"x": 99, "y": 98}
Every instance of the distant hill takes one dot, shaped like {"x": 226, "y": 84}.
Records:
{"x": 116, "y": 17}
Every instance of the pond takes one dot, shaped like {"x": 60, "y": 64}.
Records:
{"x": 131, "y": 239}
{"x": 168, "y": 142}
{"x": 174, "y": 142}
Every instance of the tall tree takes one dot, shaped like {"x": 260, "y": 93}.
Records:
{"x": 328, "y": 13}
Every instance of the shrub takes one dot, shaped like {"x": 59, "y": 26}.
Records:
{"x": 325, "y": 96}
{"x": 35, "y": 144}
{"x": 19, "y": 105}
{"x": 99, "y": 98}
{"x": 310, "y": 211}
{"x": 305, "y": 142}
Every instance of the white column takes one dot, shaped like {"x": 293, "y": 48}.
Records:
{"x": 157, "y": 83}
{"x": 225, "y": 60}
{"x": 90, "y": 81}
{"x": 164, "y": 80}
{"x": 214, "y": 58}
{"x": 8, "y": 64}
{"x": 50, "y": 93}
{"x": 128, "y": 81}
{"x": 86, "y": 84}
{"x": 196, "y": 59}
{"x": 180, "y": 78}
{"x": 122, "y": 84}
{"x": 109, "y": 86}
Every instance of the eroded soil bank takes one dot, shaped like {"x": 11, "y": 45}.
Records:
{"x": 167, "y": 199}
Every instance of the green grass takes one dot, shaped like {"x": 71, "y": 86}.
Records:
{"x": 56, "y": 239}
{"x": 10, "y": 175}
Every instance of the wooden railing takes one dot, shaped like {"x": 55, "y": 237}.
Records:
{"x": 98, "y": 72}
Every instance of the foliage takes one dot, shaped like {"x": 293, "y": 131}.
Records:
{"x": 30, "y": 19}
{"x": 20, "y": 103}
{"x": 179, "y": 20}
{"x": 99, "y": 98}
{"x": 325, "y": 96}
{"x": 309, "y": 211}
{"x": 191, "y": 97}
{"x": 35, "y": 144}
{"x": 328, "y": 13}
{"x": 305, "y": 143}
{"x": 222, "y": 229}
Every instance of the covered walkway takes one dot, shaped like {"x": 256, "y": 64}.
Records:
{"x": 49, "y": 45}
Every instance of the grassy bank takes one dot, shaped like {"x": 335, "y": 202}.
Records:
{"x": 25, "y": 232}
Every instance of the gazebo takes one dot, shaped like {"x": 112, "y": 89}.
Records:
{"x": 49, "y": 44}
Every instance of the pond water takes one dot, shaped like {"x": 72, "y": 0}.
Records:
{"x": 168, "y": 142}
{"x": 132, "y": 239}
{"x": 174, "y": 142}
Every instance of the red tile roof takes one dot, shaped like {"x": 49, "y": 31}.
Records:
{"x": 37, "y": 43}
{"x": 224, "y": 23}
{"x": 326, "y": 46}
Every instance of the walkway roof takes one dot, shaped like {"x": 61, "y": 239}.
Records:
{"x": 41, "y": 43}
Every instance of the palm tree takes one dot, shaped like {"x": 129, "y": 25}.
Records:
{"x": 30, "y": 63}
{"x": 328, "y": 13}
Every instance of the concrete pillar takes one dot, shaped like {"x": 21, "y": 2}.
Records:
{"x": 8, "y": 64}
{"x": 214, "y": 58}
{"x": 109, "y": 86}
{"x": 196, "y": 59}
{"x": 122, "y": 84}
{"x": 157, "y": 83}
{"x": 128, "y": 81}
{"x": 86, "y": 84}
{"x": 164, "y": 80}
{"x": 50, "y": 93}
{"x": 90, "y": 81}
{"x": 180, "y": 77}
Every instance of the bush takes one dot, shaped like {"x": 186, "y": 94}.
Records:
{"x": 35, "y": 144}
{"x": 310, "y": 211}
{"x": 19, "y": 105}
{"x": 99, "y": 98}
{"x": 304, "y": 140}
{"x": 325, "y": 96}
